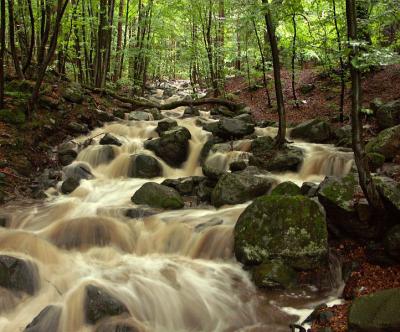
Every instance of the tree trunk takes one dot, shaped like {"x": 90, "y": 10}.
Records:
{"x": 342, "y": 69}
{"x": 119, "y": 41}
{"x": 17, "y": 65}
{"x": 293, "y": 61}
{"x": 361, "y": 160}
{"x": 281, "y": 137}
{"x": 121, "y": 67}
{"x": 2, "y": 49}
{"x": 32, "y": 42}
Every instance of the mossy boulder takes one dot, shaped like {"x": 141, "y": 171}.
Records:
{"x": 375, "y": 160}
{"x": 165, "y": 125}
{"x": 234, "y": 128}
{"x": 274, "y": 275}
{"x": 387, "y": 143}
{"x": 144, "y": 166}
{"x": 73, "y": 92}
{"x": 172, "y": 146}
{"x": 290, "y": 228}
{"x": 388, "y": 115}
{"x": 286, "y": 188}
{"x": 236, "y": 188}
{"x": 315, "y": 131}
{"x": 110, "y": 139}
{"x": 389, "y": 190}
{"x": 15, "y": 117}
{"x": 376, "y": 312}
{"x": 158, "y": 196}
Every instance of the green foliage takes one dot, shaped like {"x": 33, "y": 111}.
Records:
{"x": 16, "y": 117}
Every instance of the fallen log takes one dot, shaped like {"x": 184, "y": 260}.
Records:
{"x": 137, "y": 102}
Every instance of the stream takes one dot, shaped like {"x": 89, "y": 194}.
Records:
{"x": 175, "y": 270}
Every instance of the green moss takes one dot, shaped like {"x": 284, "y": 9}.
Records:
{"x": 286, "y": 188}
{"x": 274, "y": 274}
{"x": 12, "y": 116}
{"x": 375, "y": 160}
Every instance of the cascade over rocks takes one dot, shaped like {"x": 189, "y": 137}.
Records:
{"x": 314, "y": 131}
{"x": 240, "y": 187}
{"x": 387, "y": 143}
{"x": 100, "y": 304}
{"x": 378, "y": 312}
{"x": 47, "y": 320}
{"x": 144, "y": 166}
{"x": 158, "y": 196}
{"x": 172, "y": 146}
{"x": 70, "y": 184}
{"x": 109, "y": 139}
{"x": 79, "y": 170}
{"x": 290, "y": 228}
{"x": 19, "y": 275}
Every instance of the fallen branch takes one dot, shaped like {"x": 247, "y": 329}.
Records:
{"x": 145, "y": 103}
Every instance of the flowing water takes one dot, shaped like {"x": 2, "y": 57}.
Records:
{"x": 174, "y": 271}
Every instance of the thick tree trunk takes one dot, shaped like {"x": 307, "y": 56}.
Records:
{"x": 366, "y": 181}
{"x": 281, "y": 137}
{"x": 2, "y": 49}
{"x": 11, "y": 25}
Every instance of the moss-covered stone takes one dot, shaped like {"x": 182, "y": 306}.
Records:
{"x": 291, "y": 228}
{"x": 12, "y": 116}
{"x": 389, "y": 190}
{"x": 375, "y": 160}
{"x": 379, "y": 311}
{"x": 387, "y": 143}
{"x": 158, "y": 196}
{"x": 73, "y": 92}
{"x": 286, "y": 188}
{"x": 388, "y": 115}
{"x": 316, "y": 131}
{"x": 274, "y": 274}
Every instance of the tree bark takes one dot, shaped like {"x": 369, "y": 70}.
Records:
{"x": 366, "y": 181}
{"x": 281, "y": 137}
{"x": 32, "y": 42}
{"x": 2, "y": 49}
{"x": 11, "y": 25}
{"x": 119, "y": 41}
{"x": 293, "y": 61}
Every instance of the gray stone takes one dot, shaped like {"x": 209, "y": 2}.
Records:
{"x": 144, "y": 166}
{"x": 158, "y": 196}
{"x": 109, "y": 139}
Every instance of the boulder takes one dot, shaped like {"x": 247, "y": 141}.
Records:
{"x": 19, "y": 275}
{"x": 172, "y": 146}
{"x": 47, "y": 320}
{"x": 77, "y": 128}
{"x": 246, "y": 117}
{"x": 140, "y": 213}
{"x": 392, "y": 242}
{"x": 73, "y": 92}
{"x": 103, "y": 115}
{"x": 378, "y": 312}
{"x": 236, "y": 188}
{"x": 315, "y": 131}
{"x": 191, "y": 112}
{"x": 165, "y": 125}
{"x": 156, "y": 113}
{"x": 78, "y": 170}
{"x": 144, "y": 166}
{"x": 388, "y": 115}
{"x": 222, "y": 111}
{"x": 100, "y": 304}
{"x": 97, "y": 155}
{"x": 290, "y": 228}
{"x": 286, "y": 188}
{"x": 158, "y": 196}
{"x": 234, "y": 128}
{"x": 337, "y": 196}
{"x": 274, "y": 275}
{"x": 375, "y": 161}
{"x": 185, "y": 186}
{"x": 70, "y": 184}
{"x": 140, "y": 116}
{"x": 387, "y": 143}
{"x": 389, "y": 190}
{"x": 238, "y": 165}
{"x": 343, "y": 136}
{"x": 309, "y": 189}
{"x": 67, "y": 156}
{"x": 109, "y": 139}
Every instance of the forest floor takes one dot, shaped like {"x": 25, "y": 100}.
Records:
{"x": 28, "y": 148}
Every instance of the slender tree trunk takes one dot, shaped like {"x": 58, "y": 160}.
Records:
{"x": 281, "y": 137}
{"x": 342, "y": 68}
{"x": 78, "y": 52}
{"x": 121, "y": 67}
{"x": 2, "y": 49}
{"x": 32, "y": 42}
{"x": 119, "y": 41}
{"x": 263, "y": 62}
{"x": 366, "y": 181}
{"x": 11, "y": 25}
{"x": 293, "y": 61}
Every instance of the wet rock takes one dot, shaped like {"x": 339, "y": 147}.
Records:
{"x": 234, "y": 128}
{"x": 158, "y": 196}
{"x": 207, "y": 147}
{"x": 119, "y": 113}
{"x": 222, "y": 111}
{"x": 79, "y": 170}
{"x": 389, "y": 190}
{"x": 140, "y": 213}
{"x": 155, "y": 112}
{"x": 265, "y": 155}
{"x": 286, "y": 188}
{"x": 165, "y": 125}
{"x": 109, "y": 139}
{"x": 274, "y": 275}
{"x": 47, "y": 320}
{"x": 172, "y": 146}
{"x": 388, "y": 115}
{"x": 246, "y": 117}
{"x": 309, "y": 189}
{"x": 238, "y": 166}
{"x": 379, "y": 311}
{"x": 212, "y": 172}
{"x": 144, "y": 166}
{"x": 18, "y": 275}
{"x": 343, "y": 136}
{"x": 4, "y": 220}
{"x": 387, "y": 143}
{"x": 104, "y": 116}
{"x": 392, "y": 242}
{"x": 315, "y": 131}
{"x": 100, "y": 304}
{"x": 290, "y": 228}
{"x": 315, "y": 314}
{"x": 337, "y": 196}
{"x": 191, "y": 112}
{"x": 236, "y": 188}
{"x": 70, "y": 184}
{"x": 140, "y": 116}
{"x": 116, "y": 327}
{"x": 77, "y": 128}
{"x": 213, "y": 222}
{"x": 375, "y": 161}
{"x": 73, "y": 92}
{"x": 185, "y": 186}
